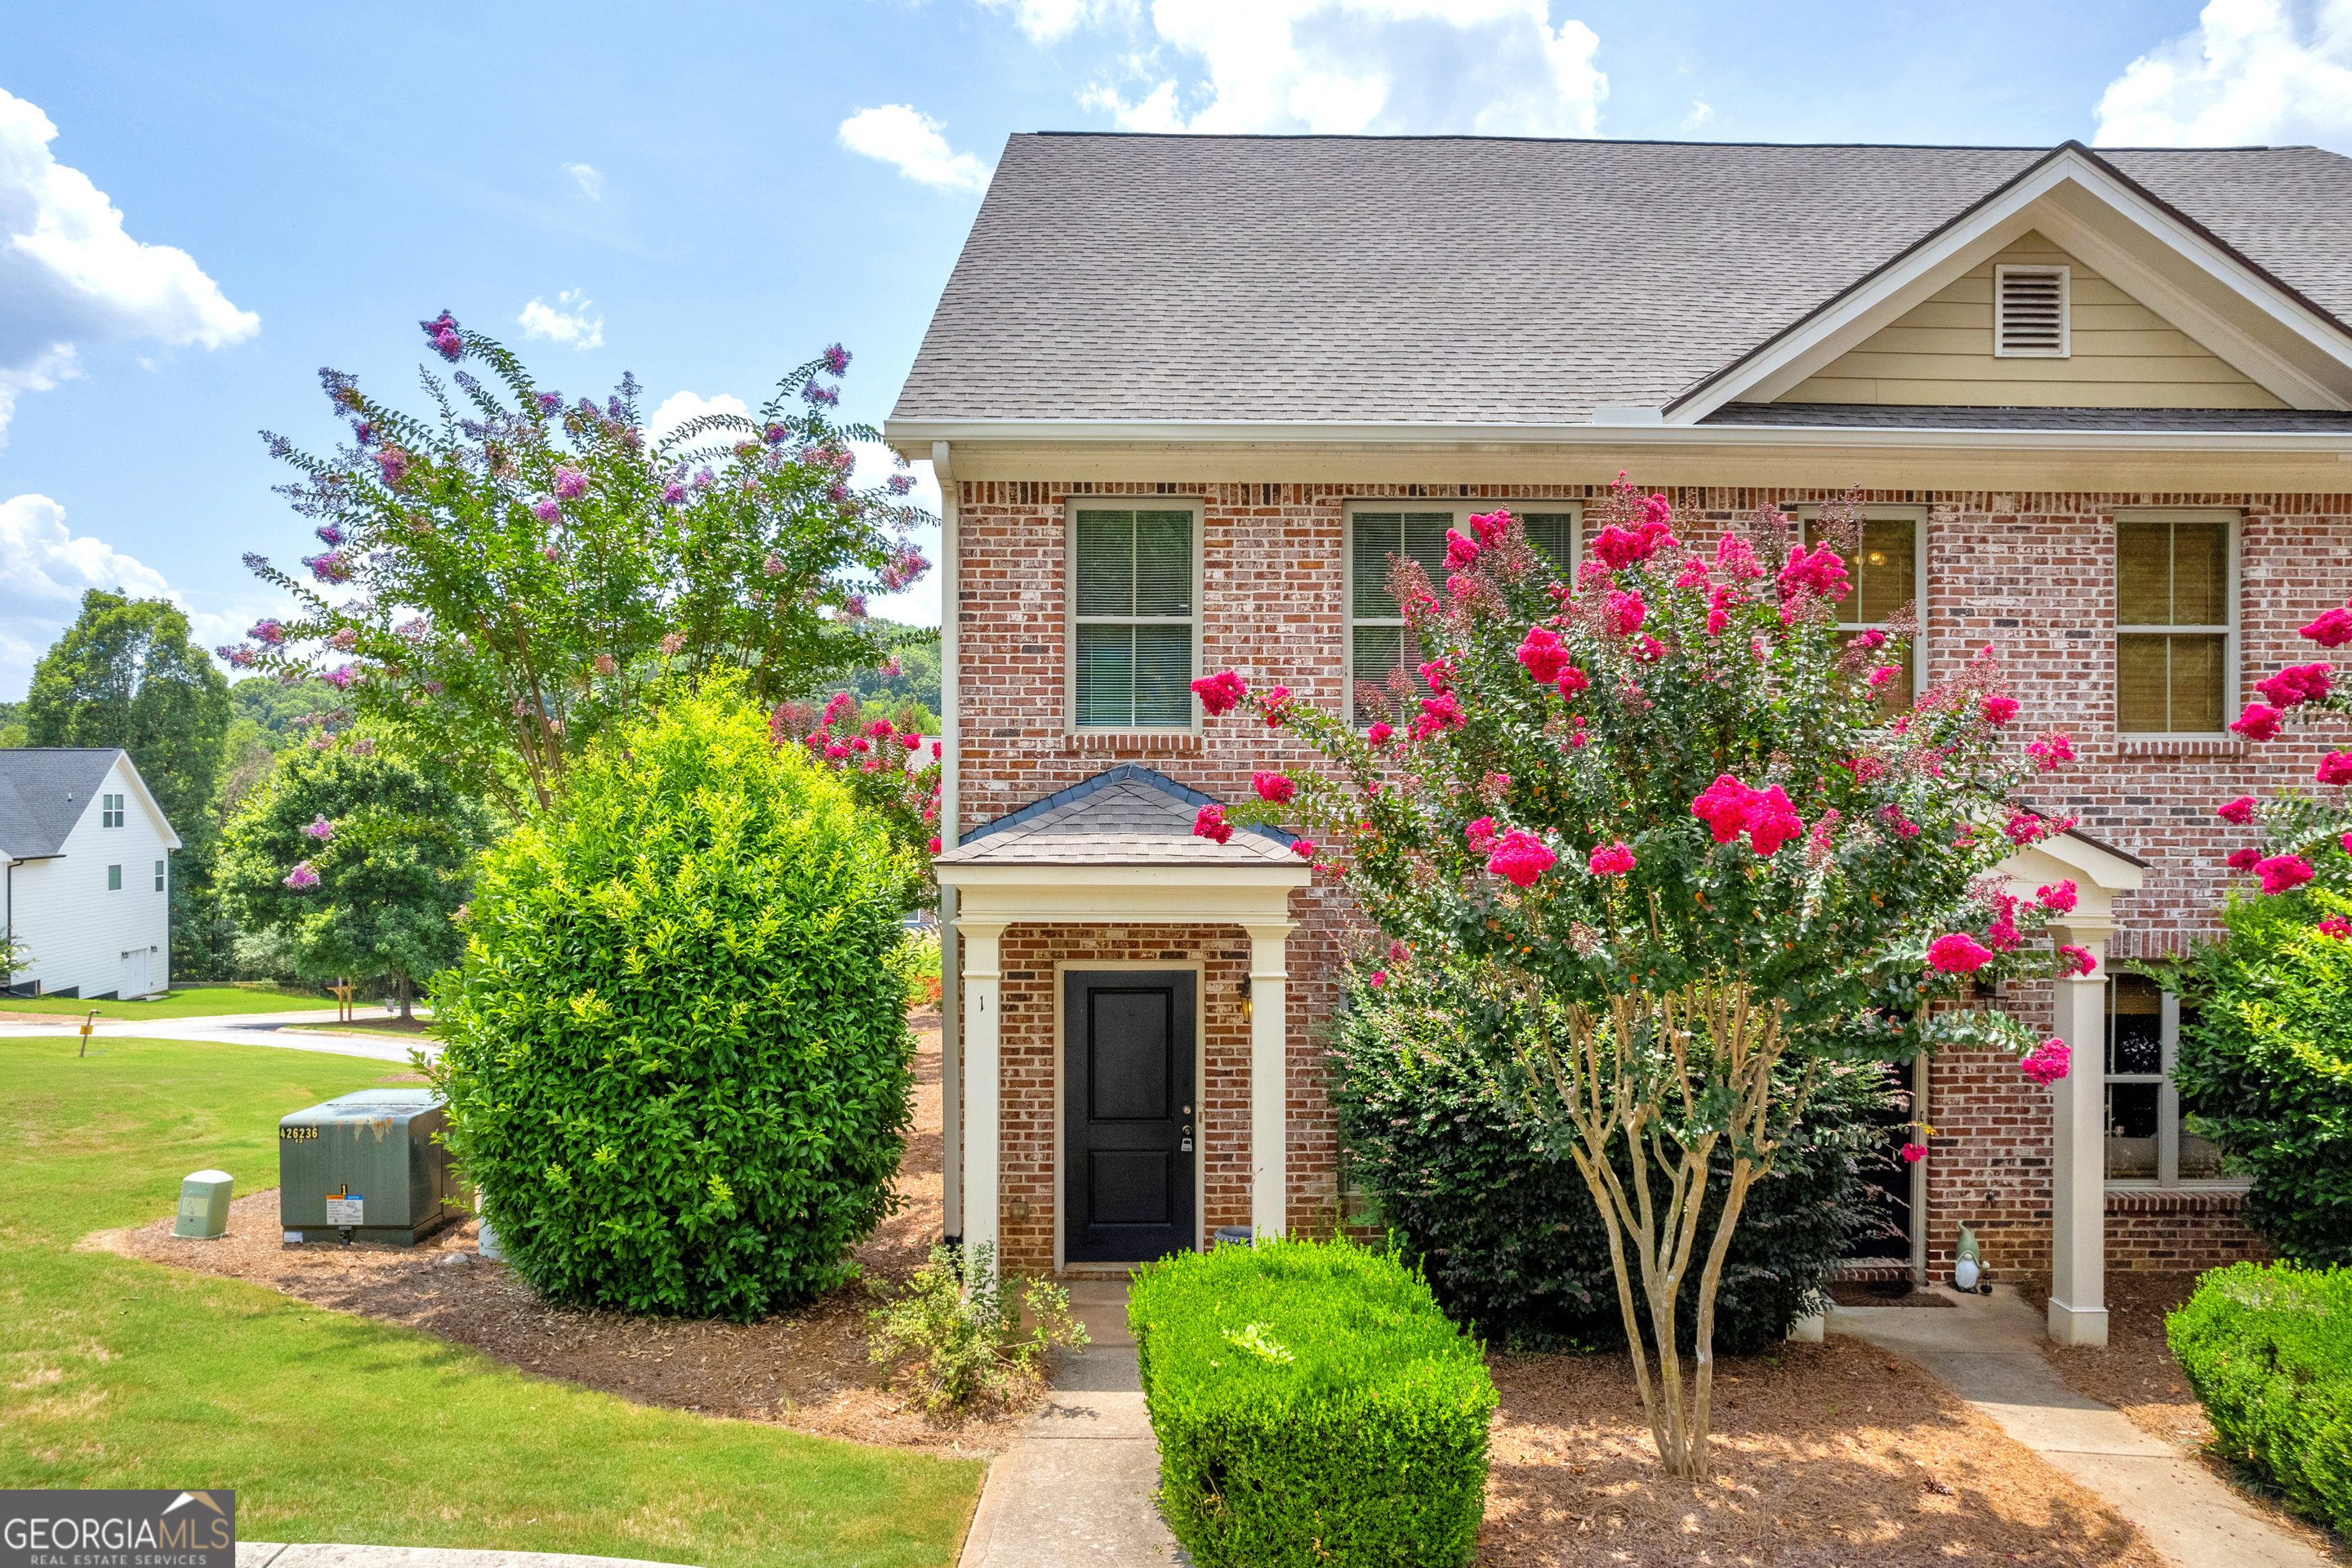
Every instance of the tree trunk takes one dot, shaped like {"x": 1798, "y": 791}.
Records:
{"x": 406, "y": 1016}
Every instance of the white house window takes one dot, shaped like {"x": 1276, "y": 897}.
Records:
{"x": 115, "y": 878}
{"x": 109, "y": 811}
{"x": 1377, "y": 531}
{"x": 159, "y": 875}
{"x": 2176, "y": 622}
{"x": 1887, "y": 573}
{"x": 2149, "y": 1139}
{"x": 1135, "y": 629}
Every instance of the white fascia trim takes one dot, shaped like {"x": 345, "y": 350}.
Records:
{"x": 1178, "y": 434}
{"x": 1047, "y": 874}
{"x": 1982, "y": 226}
{"x": 147, "y": 800}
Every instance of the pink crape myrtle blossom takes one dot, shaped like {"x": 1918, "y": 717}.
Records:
{"x": 319, "y": 829}
{"x": 1999, "y": 710}
{"x": 1822, "y": 574}
{"x": 1521, "y": 858}
{"x": 2281, "y": 872}
{"x": 2297, "y": 684}
{"x": 2051, "y": 750}
{"x": 2047, "y": 1062}
{"x": 1459, "y": 552}
{"x": 2336, "y": 768}
{"x": 1957, "y": 953}
{"x": 2078, "y": 959}
{"x": 2333, "y": 629}
{"x": 2243, "y": 859}
{"x": 1275, "y": 787}
{"x": 1220, "y": 693}
{"x": 303, "y": 879}
{"x": 1913, "y": 1154}
{"x": 1378, "y": 734}
{"x": 1626, "y": 612}
{"x": 2239, "y": 811}
{"x": 1480, "y": 835}
{"x": 1610, "y": 860}
{"x": 1303, "y": 847}
{"x": 1542, "y": 655}
{"x": 2338, "y": 927}
{"x": 2061, "y": 897}
{"x": 1768, "y": 816}
{"x": 1573, "y": 680}
{"x": 2258, "y": 722}
{"x": 1210, "y": 823}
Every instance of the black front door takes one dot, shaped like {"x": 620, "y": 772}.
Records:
{"x": 1885, "y": 1195}
{"x": 1129, "y": 1130}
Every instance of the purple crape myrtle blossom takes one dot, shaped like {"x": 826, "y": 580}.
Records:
{"x": 320, "y": 829}
{"x": 302, "y": 878}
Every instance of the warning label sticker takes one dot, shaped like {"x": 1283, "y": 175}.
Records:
{"x": 346, "y": 1208}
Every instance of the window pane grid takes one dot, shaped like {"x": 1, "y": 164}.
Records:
{"x": 1377, "y": 644}
{"x": 1133, "y": 636}
{"x": 2172, "y": 593}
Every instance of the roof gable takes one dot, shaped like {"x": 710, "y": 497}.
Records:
{"x": 1127, "y": 815}
{"x": 50, "y": 789}
{"x": 1419, "y": 281}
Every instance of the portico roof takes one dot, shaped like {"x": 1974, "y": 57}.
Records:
{"x": 1128, "y": 815}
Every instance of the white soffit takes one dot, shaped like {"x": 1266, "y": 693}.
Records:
{"x": 2249, "y": 323}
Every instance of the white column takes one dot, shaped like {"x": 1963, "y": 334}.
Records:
{"x": 2078, "y": 1174}
{"x": 982, "y": 1082}
{"x": 1269, "y": 1079}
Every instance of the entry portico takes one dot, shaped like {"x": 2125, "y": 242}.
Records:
{"x": 1116, "y": 852}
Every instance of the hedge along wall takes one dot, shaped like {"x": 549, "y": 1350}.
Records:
{"x": 2268, "y": 1347}
{"x": 1313, "y": 1407}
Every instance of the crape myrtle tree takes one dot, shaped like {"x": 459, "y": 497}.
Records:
{"x": 1667, "y": 806}
{"x": 499, "y": 582}
{"x": 2306, "y": 837}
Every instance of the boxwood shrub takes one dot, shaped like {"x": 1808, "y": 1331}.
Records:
{"x": 1313, "y": 1407}
{"x": 1433, "y": 1116}
{"x": 2265, "y": 1066}
{"x": 2268, "y": 1347}
{"x": 676, "y": 1058}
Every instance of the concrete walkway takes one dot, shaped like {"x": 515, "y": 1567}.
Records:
{"x": 234, "y": 1029}
{"x": 1077, "y": 1486}
{"x": 1989, "y": 1351}
{"x": 277, "y": 1554}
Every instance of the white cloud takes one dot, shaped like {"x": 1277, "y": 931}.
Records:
{"x": 590, "y": 179}
{"x": 2251, "y": 71}
{"x": 1045, "y": 21}
{"x": 1412, "y": 66}
{"x": 897, "y": 134}
{"x": 69, "y": 274}
{"x": 565, "y": 322}
{"x": 45, "y": 568}
{"x": 1701, "y": 112}
{"x": 680, "y": 406}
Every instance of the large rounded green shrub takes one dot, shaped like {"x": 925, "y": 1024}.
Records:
{"x": 677, "y": 1063}
{"x": 1433, "y": 1113}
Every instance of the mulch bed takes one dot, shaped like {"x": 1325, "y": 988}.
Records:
{"x": 804, "y": 1369}
{"x": 1828, "y": 1454}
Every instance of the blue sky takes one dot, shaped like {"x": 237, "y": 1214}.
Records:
{"x": 708, "y": 195}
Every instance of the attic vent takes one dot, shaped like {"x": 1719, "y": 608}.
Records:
{"x": 2029, "y": 313}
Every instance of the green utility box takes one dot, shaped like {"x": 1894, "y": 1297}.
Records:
{"x": 365, "y": 1167}
{"x": 203, "y": 1206}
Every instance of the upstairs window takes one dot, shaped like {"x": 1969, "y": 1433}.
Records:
{"x": 1377, "y": 531}
{"x": 1882, "y": 575}
{"x": 115, "y": 878}
{"x": 109, "y": 811}
{"x": 159, "y": 875}
{"x": 1134, "y": 627}
{"x": 2175, "y": 620}
{"x": 2031, "y": 313}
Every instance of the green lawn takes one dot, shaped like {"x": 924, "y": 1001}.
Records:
{"x": 195, "y": 1002}
{"x": 117, "y": 1373}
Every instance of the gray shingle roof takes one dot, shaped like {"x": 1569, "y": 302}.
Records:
{"x": 43, "y": 793}
{"x": 1936, "y": 416}
{"x": 1128, "y": 815}
{"x": 1371, "y": 279}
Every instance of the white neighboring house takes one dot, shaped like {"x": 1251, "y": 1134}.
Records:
{"x": 87, "y": 857}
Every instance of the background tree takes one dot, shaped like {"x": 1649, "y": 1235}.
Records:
{"x": 1665, "y": 806}
{"x": 125, "y": 674}
{"x": 519, "y": 573}
{"x": 348, "y": 862}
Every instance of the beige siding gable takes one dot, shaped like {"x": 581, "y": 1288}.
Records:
{"x": 2125, "y": 354}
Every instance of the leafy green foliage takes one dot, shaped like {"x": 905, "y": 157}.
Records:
{"x": 1312, "y": 1406}
{"x": 2265, "y": 1065}
{"x": 2268, "y": 1347}
{"x": 354, "y": 862}
{"x": 285, "y": 710}
{"x": 126, "y": 674}
{"x": 961, "y": 1330}
{"x": 908, "y": 678}
{"x": 678, "y": 1065}
{"x": 521, "y": 574}
{"x": 1434, "y": 1108}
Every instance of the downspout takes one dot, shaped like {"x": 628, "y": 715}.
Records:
{"x": 7, "y": 921}
{"x": 951, "y": 966}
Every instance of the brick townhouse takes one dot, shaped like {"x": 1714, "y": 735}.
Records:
{"x": 1187, "y": 396}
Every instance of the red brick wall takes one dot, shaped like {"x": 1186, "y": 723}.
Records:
{"x": 2181, "y": 1230}
{"x": 2032, "y": 573}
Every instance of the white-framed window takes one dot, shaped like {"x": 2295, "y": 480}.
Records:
{"x": 2149, "y": 1142}
{"x": 1888, "y": 570}
{"x": 1135, "y": 613}
{"x": 1415, "y": 530}
{"x": 2176, "y": 621}
{"x": 109, "y": 811}
{"x": 160, "y": 874}
{"x": 115, "y": 878}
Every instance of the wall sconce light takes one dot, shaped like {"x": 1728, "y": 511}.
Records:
{"x": 1246, "y": 1005}
{"x": 1017, "y": 1209}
